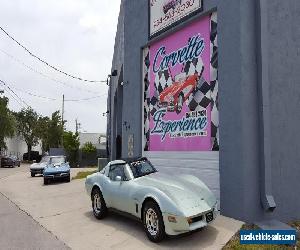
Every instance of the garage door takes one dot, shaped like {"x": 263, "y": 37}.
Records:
{"x": 204, "y": 165}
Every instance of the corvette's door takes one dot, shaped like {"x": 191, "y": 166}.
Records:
{"x": 119, "y": 191}
{"x": 105, "y": 184}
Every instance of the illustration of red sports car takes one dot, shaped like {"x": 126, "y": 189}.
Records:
{"x": 170, "y": 4}
{"x": 175, "y": 95}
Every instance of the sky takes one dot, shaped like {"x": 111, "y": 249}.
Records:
{"x": 76, "y": 36}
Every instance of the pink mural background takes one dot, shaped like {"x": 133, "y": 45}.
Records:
{"x": 173, "y": 43}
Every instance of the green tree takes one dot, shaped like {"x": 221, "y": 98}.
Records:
{"x": 55, "y": 131}
{"x": 71, "y": 146}
{"x": 50, "y": 131}
{"x": 28, "y": 127}
{"x": 7, "y": 122}
{"x": 43, "y": 132}
{"x": 88, "y": 148}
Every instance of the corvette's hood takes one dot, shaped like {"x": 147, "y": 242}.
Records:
{"x": 40, "y": 165}
{"x": 60, "y": 168}
{"x": 186, "y": 194}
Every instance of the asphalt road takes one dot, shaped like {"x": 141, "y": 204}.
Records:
{"x": 17, "y": 229}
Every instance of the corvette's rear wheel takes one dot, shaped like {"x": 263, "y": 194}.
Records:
{"x": 153, "y": 222}
{"x": 98, "y": 204}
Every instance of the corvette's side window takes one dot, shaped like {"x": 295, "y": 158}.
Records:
{"x": 117, "y": 170}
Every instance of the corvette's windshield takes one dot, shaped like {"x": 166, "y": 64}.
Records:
{"x": 141, "y": 168}
{"x": 57, "y": 160}
{"x": 45, "y": 159}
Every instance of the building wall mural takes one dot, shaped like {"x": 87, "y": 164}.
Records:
{"x": 181, "y": 90}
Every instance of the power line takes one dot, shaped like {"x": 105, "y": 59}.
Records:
{"x": 42, "y": 74}
{"x": 35, "y": 95}
{"x": 15, "y": 99}
{"x": 48, "y": 64}
{"x": 5, "y": 84}
{"x": 20, "y": 101}
{"x": 55, "y": 99}
{"x": 85, "y": 99}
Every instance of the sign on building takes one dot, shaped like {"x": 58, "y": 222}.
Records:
{"x": 181, "y": 90}
{"x": 164, "y": 13}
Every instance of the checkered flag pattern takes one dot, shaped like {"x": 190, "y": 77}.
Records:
{"x": 214, "y": 82}
{"x": 200, "y": 98}
{"x": 147, "y": 100}
{"x": 163, "y": 79}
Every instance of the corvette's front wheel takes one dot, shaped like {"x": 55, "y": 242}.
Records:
{"x": 98, "y": 204}
{"x": 153, "y": 222}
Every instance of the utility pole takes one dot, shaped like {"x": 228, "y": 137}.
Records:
{"x": 62, "y": 120}
{"x": 78, "y": 124}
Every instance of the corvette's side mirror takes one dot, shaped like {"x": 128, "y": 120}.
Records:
{"x": 118, "y": 178}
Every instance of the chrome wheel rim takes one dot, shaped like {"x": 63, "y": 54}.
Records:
{"x": 152, "y": 222}
{"x": 97, "y": 203}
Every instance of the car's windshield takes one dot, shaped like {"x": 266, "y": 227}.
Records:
{"x": 45, "y": 159}
{"x": 141, "y": 168}
{"x": 56, "y": 160}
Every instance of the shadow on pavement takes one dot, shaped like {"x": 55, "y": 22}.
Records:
{"x": 193, "y": 240}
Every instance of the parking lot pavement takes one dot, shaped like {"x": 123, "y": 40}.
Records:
{"x": 7, "y": 171}
{"x": 65, "y": 210}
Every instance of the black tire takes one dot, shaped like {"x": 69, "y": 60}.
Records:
{"x": 159, "y": 233}
{"x": 99, "y": 211}
{"x": 46, "y": 181}
{"x": 32, "y": 174}
{"x": 68, "y": 179}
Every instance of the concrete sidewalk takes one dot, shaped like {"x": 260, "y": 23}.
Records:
{"x": 65, "y": 210}
{"x": 19, "y": 231}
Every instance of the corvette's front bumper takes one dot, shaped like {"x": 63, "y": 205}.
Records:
{"x": 54, "y": 176}
{"x": 184, "y": 224}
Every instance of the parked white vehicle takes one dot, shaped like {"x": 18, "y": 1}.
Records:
{"x": 38, "y": 168}
{"x": 165, "y": 204}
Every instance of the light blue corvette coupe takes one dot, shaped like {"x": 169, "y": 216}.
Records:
{"x": 57, "y": 169}
{"x": 166, "y": 204}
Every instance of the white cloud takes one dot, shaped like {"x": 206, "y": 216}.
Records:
{"x": 68, "y": 34}
{"x": 90, "y": 21}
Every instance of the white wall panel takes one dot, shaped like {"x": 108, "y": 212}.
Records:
{"x": 204, "y": 165}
